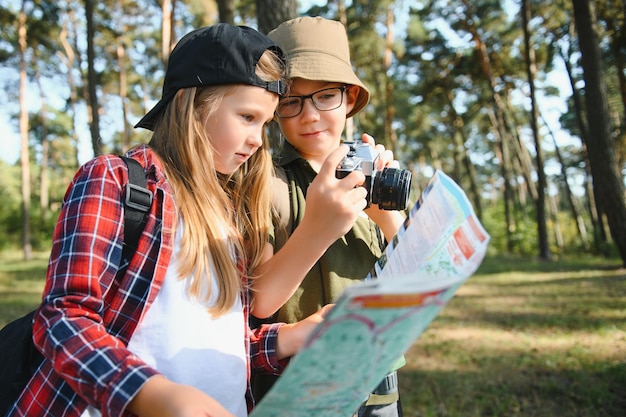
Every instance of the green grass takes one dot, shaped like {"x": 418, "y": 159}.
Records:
{"x": 522, "y": 337}
{"x": 21, "y": 284}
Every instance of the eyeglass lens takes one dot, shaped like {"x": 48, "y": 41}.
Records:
{"x": 323, "y": 100}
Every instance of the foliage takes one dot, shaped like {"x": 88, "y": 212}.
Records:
{"x": 432, "y": 102}
{"x": 10, "y": 219}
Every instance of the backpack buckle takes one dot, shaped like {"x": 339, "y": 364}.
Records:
{"x": 138, "y": 198}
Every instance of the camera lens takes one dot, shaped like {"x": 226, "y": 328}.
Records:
{"x": 391, "y": 189}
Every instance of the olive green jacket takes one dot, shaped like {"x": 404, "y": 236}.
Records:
{"x": 347, "y": 260}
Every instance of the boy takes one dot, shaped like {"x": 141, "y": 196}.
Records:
{"x": 324, "y": 92}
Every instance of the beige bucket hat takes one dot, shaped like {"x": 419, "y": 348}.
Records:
{"x": 317, "y": 49}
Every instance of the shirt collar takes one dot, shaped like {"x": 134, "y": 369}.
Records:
{"x": 287, "y": 154}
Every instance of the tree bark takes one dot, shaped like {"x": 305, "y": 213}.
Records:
{"x": 226, "y": 11}
{"x": 44, "y": 195}
{"x": 94, "y": 122}
{"x": 607, "y": 185}
{"x": 25, "y": 154}
{"x": 599, "y": 237}
{"x": 540, "y": 201}
{"x": 271, "y": 13}
{"x": 166, "y": 31}
{"x": 121, "y": 62}
{"x": 580, "y": 223}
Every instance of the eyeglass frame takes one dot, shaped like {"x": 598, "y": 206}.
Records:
{"x": 343, "y": 89}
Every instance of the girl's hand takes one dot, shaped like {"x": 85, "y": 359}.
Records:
{"x": 160, "y": 397}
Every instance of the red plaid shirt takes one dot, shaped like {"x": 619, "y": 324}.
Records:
{"x": 92, "y": 304}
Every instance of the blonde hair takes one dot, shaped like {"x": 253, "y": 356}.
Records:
{"x": 226, "y": 218}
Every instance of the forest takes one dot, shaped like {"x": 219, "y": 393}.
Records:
{"x": 522, "y": 102}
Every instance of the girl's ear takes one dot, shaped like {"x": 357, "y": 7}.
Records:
{"x": 352, "y": 92}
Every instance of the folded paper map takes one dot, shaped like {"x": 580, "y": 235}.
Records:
{"x": 440, "y": 245}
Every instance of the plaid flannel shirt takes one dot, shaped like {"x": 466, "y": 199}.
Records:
{"x": 92, "y": 303}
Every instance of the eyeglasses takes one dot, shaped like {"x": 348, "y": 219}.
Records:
{"x": 323, "y": 100}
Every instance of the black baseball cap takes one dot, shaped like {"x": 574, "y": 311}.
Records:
{"x": 214, "y": 55}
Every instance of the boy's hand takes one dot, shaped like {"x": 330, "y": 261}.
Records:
{"x": 292, "y": 337}
{"x": 332, "y": 204}
{"x": 389, "y": 221}
{"x": 385, "y": 159}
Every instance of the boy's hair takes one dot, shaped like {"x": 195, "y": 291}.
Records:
{"x": 317, "y": 49}
{"x": 209, "y": 202}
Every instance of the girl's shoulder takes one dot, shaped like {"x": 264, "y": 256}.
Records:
{"x": 102, "y": 168}
{"x": 112, "y": 165}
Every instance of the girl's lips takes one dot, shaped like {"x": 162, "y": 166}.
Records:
{"x": 242, "y": 156}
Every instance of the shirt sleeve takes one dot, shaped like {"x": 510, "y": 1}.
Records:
{"x": 263, "y": 350}
{"x": 81, "y": 293}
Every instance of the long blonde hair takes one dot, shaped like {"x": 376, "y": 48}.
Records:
{"x": 226, "y": 218}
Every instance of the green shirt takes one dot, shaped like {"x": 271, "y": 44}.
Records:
{"x": 347, "y": 261}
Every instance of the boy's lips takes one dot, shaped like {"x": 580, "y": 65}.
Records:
{"x": 312, "y": 134}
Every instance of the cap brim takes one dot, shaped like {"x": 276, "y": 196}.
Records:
{"x": 149, "y": 120}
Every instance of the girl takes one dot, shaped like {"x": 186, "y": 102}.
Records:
{"x": 164, "y": 332}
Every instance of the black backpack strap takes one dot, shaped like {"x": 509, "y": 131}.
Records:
{"x": 137, "y": 202}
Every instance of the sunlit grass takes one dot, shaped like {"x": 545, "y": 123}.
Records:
{"x": 524, "y": 342}
{"x": 21, "y": 283}
{"x": 520, "y": 338}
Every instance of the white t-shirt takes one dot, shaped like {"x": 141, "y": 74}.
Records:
{"x": 179, "y": 338}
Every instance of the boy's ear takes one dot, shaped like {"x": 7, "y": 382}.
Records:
{"x": 352, "y": 94}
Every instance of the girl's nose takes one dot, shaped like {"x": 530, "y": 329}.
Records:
{"x": 256, "y": 139}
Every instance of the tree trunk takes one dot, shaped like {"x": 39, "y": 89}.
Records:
{"x": 599, "y": 237}
{"x": 271, "y": 13}
{"x": 502, "y": 153}
{"x": 580, "y": 223}
{"x": 554, "y": 214}
{"x": 44, "y": 198}
{"x": 82, "y": 86}
{"x": 390, "y": 134}
{"x": 607, "y": 184}
{"x": 542, "y": 229}
{"x": 92, "y": 83}
{"x": 166, "y": 31}
{"x": 498, "y": 117}
{"x": 25, "y": 154}
{"x": 121, "y": 62}
{"x": 460, "y": 139}
{"x": 226, "y": 11}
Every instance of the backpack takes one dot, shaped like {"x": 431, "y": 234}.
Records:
{"x": 20, "y": 359}
{"x": 282, "y": 212}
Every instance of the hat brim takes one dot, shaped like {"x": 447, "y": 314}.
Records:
{"x": 309, "y": 65}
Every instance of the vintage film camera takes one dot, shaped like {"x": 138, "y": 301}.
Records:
{"x": 389, "y": 188}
